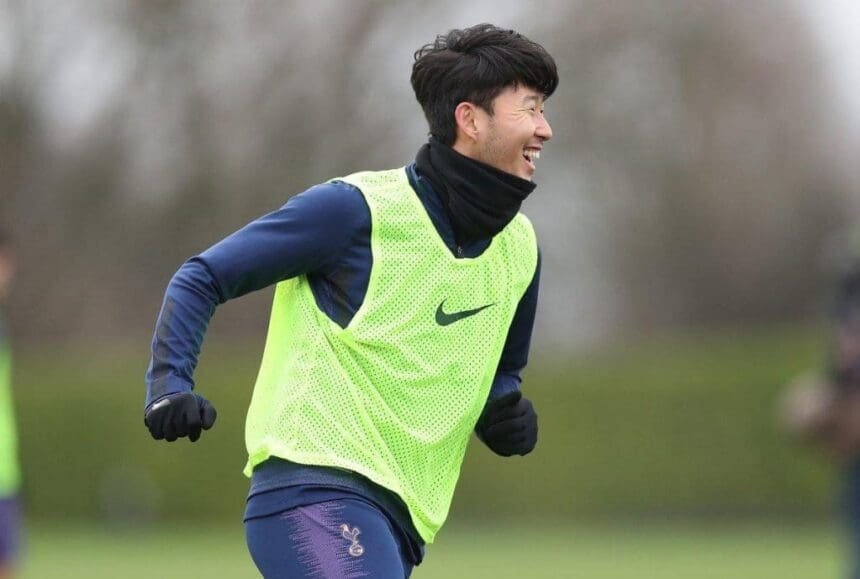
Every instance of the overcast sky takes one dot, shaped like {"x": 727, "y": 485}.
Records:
{"x": 838, "y": 26}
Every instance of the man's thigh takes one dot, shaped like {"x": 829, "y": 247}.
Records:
{"x": 10, "y": 531}
{"x": 343, "y": 538}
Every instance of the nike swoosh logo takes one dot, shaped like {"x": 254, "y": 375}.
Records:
{"x": 446, "y": 319}
{"x": 159, "y": 404}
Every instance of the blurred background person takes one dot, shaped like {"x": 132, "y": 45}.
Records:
{"x": 9, "y": 471}
{"x": 824, "y": 409}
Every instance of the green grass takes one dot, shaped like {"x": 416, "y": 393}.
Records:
{"x": 664, "y": 551}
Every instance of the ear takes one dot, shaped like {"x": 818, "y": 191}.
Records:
{"x": 466, "y": 116}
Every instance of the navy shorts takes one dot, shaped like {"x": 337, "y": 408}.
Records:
{"x": 342, "y": 538}
{"x": 10, "y": 530}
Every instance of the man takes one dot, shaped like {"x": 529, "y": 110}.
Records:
{"x": 825, "y": 410}
{"x": 401, "y": 322}
{"x": 9, "y": 473}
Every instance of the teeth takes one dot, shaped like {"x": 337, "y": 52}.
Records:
{"x": 532, "y": 154}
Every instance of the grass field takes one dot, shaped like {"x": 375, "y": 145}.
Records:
{"x": 664, "y": 551}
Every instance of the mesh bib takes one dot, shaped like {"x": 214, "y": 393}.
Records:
{"x": 9, "y": 473}
{"x": 395, "y": 395}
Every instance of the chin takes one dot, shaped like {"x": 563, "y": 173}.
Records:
{"x": 518, "y": 172}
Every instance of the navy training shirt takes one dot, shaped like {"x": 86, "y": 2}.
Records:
{"x": 323, "y": 233}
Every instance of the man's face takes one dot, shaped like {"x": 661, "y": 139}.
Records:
{"x": 512, "y": 137}
{"x": 848, "y": 346}
{"x": 7, "y": 269}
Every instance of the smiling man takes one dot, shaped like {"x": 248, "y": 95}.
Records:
{"x": 10, "y": 475}
{"x": 401, "y": 322}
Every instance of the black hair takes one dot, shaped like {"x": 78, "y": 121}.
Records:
{"x": 475, "y": 65}
{"x": 848, "y": 291}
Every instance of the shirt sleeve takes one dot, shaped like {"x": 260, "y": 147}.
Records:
{"x": 307, "y": 235}
{"x": 515, "y": 353}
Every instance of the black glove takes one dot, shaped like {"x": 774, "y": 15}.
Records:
{"x": 508, "y": 425}
{"x": 180, "y": 415}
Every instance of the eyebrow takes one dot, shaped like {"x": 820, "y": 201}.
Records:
{"x": 532, "y": 98}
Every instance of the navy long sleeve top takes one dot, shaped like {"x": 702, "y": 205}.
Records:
{"x": 323, "y": 233}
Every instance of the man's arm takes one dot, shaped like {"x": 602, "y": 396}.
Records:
{"x": 508, "y": 423}
{"x": 515, "y": 354}
{"x": 306, "y": 235}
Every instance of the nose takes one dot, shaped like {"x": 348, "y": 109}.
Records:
{"x": 542, "y": 129}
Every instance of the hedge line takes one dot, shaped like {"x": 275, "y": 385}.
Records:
{"x": 677, "y": 425}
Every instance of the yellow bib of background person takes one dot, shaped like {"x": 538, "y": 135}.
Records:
{"x": 395, "y": 395}
{"x": 9, "y": 471}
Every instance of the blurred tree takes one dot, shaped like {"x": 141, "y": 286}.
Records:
{"x": 136, "y": 133}
{"x": 702, "y": 128}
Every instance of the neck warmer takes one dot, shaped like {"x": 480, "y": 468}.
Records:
{"x": 481, "y": 200}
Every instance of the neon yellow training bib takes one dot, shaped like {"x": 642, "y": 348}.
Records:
{"x": 395, "y": 395}
{"x": 10, "y": 476}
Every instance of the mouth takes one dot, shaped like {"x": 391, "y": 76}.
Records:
{"x": 531, "y": 155}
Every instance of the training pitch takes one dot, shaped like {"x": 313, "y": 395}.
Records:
{"x": 588, "y": 551}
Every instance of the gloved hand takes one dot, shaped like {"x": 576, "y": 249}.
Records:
{"x": 508, "y": 425}
{"x": 180, "y": 415}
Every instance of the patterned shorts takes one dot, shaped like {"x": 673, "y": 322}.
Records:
{"x": 343, "y": 538}
{"x": 10, "y": 530}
